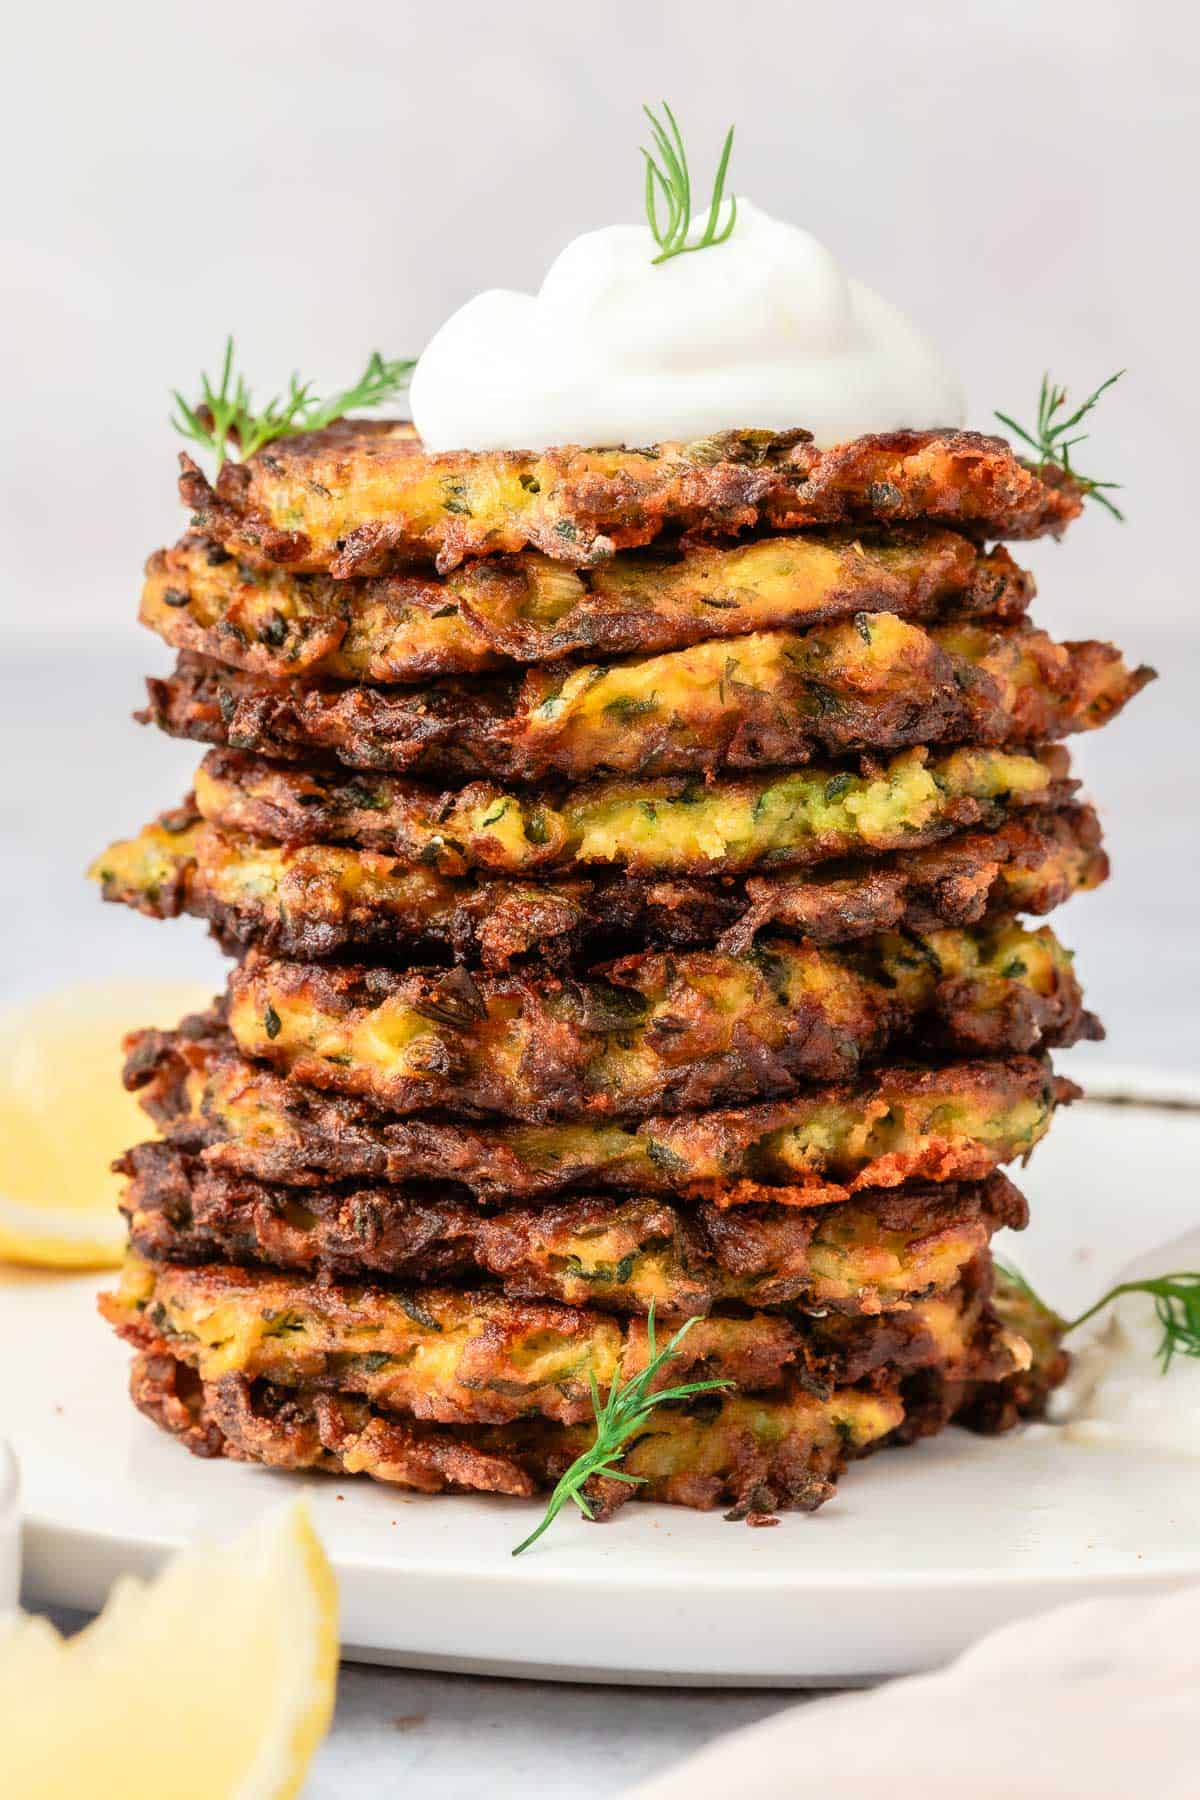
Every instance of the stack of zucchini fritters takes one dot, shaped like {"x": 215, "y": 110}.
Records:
{"x": 624, "y": 854}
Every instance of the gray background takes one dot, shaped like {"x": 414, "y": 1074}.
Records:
{"x": 325, "y": 179}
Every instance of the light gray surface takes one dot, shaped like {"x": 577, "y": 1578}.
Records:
{"x": 466, "y": 1736}
{"x": 457, "y": 1736}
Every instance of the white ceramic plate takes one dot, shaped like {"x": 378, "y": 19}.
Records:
{"x": 921, "y": 1551}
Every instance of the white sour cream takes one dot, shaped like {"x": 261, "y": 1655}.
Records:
{"x": 1116, "y": 1392}
{"x": 765, "y": 330}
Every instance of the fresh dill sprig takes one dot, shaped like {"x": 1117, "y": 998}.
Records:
{"x": 668, "y": 180}
{"x": 1015, "y": 1279}
{"x": 225, "y": 414}
{"x": 1051, "y": 439}
{"x": 1176, "y": 1301}
{"x": 627, "y": 1407}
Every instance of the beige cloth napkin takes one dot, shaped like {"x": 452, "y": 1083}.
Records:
{"x": 1096, "y": 1701}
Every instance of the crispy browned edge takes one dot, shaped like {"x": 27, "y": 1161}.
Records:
{"x": 492, "y": 729}
{"x": 337, "y": 1138}
{"x": 293, "y": 803}
{"x": 589, "y": 504}
{"x": 499, "y": 921}
{"x": 337, "y": 1434}
{"x": 526, "y": 1045}
{"x": 959, "y": 579}
{"x": 182, "y": 1210}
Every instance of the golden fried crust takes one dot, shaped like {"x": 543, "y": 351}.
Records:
{"x": 955, "y": 1123}
{"x": 1032, "y": 863}
{"x": 528, "y": 609}
{"x": 986, "y": 1408}
{"x": 770, "y": 699}
{"x": 656, "y": 1032}
{"x": 314, "y": 901}
{"x": 756, "y": 1456}
{"x": 320, "y": 900}
{"x": 672, "y": 825}
{"x": 361, "y": 496}
{"x": 461, "y": 1356}
{"x": 864, "y": 1256}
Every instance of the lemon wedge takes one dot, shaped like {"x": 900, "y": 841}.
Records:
{"x": 213, "y": 1682}
{"x": 64, "y": 1115}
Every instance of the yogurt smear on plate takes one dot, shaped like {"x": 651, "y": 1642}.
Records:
{"x": 1116, "y": 1392}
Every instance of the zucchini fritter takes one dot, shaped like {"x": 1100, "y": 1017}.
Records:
{"x": 771, "y": 699}
{"x": 460, "y": 1356}
{"x": 672, "y": 825}
{"x": 753, "y": 1453}
{"x": 862, "y": 1256}
{"x": 528, "y": 609}
{"x": 658, "y": 1032}
{"x": 956, "y": 1123}
{"x": 320, "y": 900}
{"x": 1018, "y": 1309}
{"x": 1032, "y": 863}
{"x": 361, "y": 496}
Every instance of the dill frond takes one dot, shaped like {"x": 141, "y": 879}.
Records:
{"x": 618, "y": 1417}
{"x": 1051, "y": 439}
{"x": 225, "y": 414}
{"x": 669, "y": 183}
{"x": 1176, "y": 1301}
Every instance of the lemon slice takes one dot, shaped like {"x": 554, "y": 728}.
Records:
{"x": 64, "y": 1115}
{"x": 214, "y": 1682}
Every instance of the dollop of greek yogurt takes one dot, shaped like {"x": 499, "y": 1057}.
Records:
{"x": 1116, "y": 1392}
{"x": 765, "y": 330}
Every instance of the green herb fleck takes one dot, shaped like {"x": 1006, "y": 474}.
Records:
{"x": 357, "y": 794}
{"x": 417, "y": 1313}
{"x": 282, "y": 1324}
{"x": 628, "y": 706}
{"x": 605, "y": 1273}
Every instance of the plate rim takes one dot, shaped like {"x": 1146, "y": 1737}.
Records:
{"x": 764, "y": 1612}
